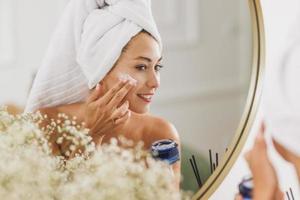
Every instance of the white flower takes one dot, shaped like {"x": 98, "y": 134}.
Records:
{"x": 28, "y": 170}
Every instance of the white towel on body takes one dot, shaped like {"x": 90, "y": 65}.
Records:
{"x": 282, "y": 100}
{"x": 86, "y": 44}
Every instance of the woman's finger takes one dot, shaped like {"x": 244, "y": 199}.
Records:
{"x": 247, "y": 156}
{"x": 94, "y": 94}
{"x": 119, "y": 112}
{"x": 259, "y": 145}
{"x": 119, "y": 96}
{"x": 110, "y": 93}
{"x": 124, "y": 118}
{"x": 279, "y": 194}
{"x": 260, "y": 141}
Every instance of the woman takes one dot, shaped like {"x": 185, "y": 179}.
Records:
{"x": 112, "y": 72}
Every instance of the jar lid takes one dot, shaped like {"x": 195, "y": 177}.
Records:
{"x": 165, "y": 150}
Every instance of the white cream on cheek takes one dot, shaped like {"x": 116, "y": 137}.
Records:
{"x": 125, "y": 77}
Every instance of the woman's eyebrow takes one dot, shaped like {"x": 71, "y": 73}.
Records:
{"x": 147, "y": 59}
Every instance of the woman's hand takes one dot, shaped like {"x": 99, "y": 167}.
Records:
{"x": 105, "y": 112}
{"x": 264, "y": 175}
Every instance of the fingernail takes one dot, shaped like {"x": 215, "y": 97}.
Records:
{"x": 97, "y": 86}
{"x": 262, "y": 127}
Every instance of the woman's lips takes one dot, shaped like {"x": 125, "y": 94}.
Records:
{"x": 146, "y": 97}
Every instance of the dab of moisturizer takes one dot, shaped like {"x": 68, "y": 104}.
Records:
{"x": 125, "y": 77}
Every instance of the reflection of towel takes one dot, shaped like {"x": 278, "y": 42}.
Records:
{"x": 282, "y": 100}
{"x": 86, "y": 44}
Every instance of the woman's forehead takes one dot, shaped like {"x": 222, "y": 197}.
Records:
{"x": 143, "y": 46}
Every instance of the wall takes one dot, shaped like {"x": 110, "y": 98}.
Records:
{"x": 27, "y": 27}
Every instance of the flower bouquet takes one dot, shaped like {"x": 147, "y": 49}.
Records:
{"x": 29, "y": 170}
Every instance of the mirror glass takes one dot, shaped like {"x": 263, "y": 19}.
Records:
{"x": 207, "y": 60}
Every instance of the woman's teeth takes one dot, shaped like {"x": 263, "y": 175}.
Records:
{"x": 145, "y": 97}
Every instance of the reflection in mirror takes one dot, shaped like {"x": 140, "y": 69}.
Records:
{"x": 204, "y": 83}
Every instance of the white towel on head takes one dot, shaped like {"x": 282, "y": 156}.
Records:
{"x": 87, "y": 42}
{"x": 282, "y": 100}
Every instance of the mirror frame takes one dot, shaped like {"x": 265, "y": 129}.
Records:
{"x": 250, "y": 110}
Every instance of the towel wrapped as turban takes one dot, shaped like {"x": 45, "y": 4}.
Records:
{"x": 87, "y": 42}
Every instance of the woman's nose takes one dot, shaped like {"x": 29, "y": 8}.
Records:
{"x": 153, "y": 80}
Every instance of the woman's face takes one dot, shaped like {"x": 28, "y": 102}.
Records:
{"x": 140, "y": 60}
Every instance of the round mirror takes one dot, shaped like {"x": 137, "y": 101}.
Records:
{"x": 208, "y": 54}
{"x": 208, "y": 90}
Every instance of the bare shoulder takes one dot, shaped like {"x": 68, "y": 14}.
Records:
{"x": 51, "y": 113}
{"x": 159, "y": 128}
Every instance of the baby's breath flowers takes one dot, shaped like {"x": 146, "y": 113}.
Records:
{"x": 29, "y": 170}
{"x": 70, "y": 137}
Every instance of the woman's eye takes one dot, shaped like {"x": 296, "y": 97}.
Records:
{"x": 141, "y": 67}
{"x": 158, "y": 67}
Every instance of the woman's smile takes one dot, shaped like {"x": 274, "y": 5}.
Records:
{"x": 147, "y": 97}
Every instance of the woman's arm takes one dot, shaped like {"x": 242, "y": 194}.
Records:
{"x": 264, "y": 175}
